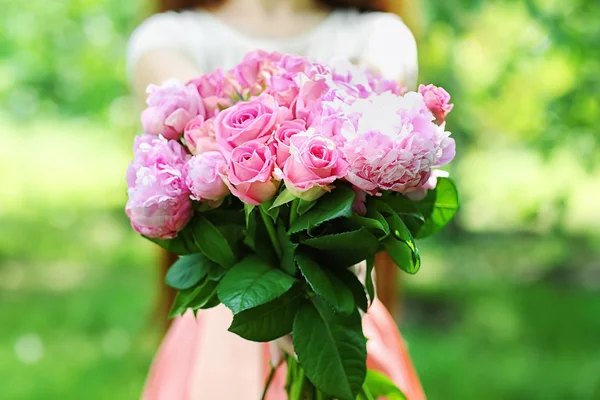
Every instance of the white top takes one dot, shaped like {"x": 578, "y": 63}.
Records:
{"x": 381, "y": 40}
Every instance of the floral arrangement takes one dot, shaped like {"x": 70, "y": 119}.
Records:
{"x": 272, "y": 181}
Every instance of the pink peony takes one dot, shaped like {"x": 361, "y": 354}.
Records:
{"x": 437, "y": 100}
{"x": 246, "y": 121}
{"x": 199, "y": 135}
{"x": 216, "y": 92}
{"x": 431, "y": 184}
{"x": 308, "y": 101}
{"x": 314, "y": 163}
{"x": 159, "y": 205}
{"x": 282, "y": 135}
{"x": 170, "y": 107}
{"x": 396, "y": 144}
{"x": 203, "y": 176}
{"x": 249, "y": 174}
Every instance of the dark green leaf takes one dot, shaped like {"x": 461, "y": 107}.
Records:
{"x": 439, "y": 207}
{"x": 358, "y": 291}
{"x": 216, "y": 272}
{"x": 331, "y": 349}
{"x": 381, "y": 386}
{"x": 284, "y": 197}
{"x": 369, "y": 278}
{"x": 269, "y": 321}
{"x": 288, "y": 262}
{"x": 212, "y": 243}
{"x": 194, "y": 298}
{"x": 400, "y": 245}
{"x": 402, "y": 205}
{"x": 374, "y": 222}
{"x": 325, "y": 284}
{"x": 333, "y": 205}
{"x": 187, "y": 271}
{"x": 346, "y": 248}
{"x": 252, "y": 282}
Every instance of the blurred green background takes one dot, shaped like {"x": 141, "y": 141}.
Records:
{"x": 507, "y": 304}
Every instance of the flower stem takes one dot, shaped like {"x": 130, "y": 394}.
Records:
{"x": 272, "y": 233}
{"x": 269, "y": 380}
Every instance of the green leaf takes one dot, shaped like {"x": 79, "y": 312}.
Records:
{"x": 212, "y": 243}
{"x": 374, "y": 222}
{"x": 358, "y": 291}
{"x": 194, "y": 298}
{"x": 216, "y": 272}
{"x": 288, "y": 262}
{"x": 269, "y": 321}
{"x": 267, "y": 208}
{"x": 182, "y": 244}
{"x": 251, "y": 283}
{"x": 381, "y": 386}
{"x": 305, "y": 205}
{"x": 331, "y": 349}
{"x": 325, "y": 284}
{"x": 347, "y": 248}
{"x": 333, "y": 205}
{"x": 284, "y": 197}
{"x": 248, "y": 212}
{"x": 402, "y": 205}
{"x": 438, "y": 207}
{"x": 400, "y": 245}
{"x": 187, "y": 271}
{"x": 369, "y": 278}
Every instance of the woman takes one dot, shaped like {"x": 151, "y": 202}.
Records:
{"x": 199, "y": 359}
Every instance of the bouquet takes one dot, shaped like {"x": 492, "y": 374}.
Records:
{"x": 272, "y": 181}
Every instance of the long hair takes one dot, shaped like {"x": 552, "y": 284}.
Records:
{"x": 386, "y": 270}
{"x": 363, "y": 5}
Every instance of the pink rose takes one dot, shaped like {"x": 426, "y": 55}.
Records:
{"x": 199, "y": 135}
{"x": 314, "y": 163}
{"x": 282, "y": 135}
{"x": 249, "y": 174}
{"x": 284, "y": 89}
{"x": 203, "y": 176}
{"x": 308, "y": 101}
{"x": 294, "y": 64}
{"x": 159, "y": 205}
{"x": 216, "y": 92}
{"x": 246, "y": 121}
{"x": 170, "y": 107}
{"x": 437, "y": 101}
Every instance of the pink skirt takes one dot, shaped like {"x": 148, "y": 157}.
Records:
{"x": 200, "y": 359}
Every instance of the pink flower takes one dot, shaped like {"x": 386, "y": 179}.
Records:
{"x": 216, "y": 92}
{"x": 378, "y": 162}
{"x": 199, "y": 135}
{"x": 282, "y": 135}
{"x": 246, "y": 121}
{"x": 284, "y": 89}
{"x": 203, "y": 176}
{"x": 359, "y": 206}
{"x": 431, "y": 183}
{"x": 437, "y": 100}
{"x": 249, "y": 174}
{"x": 149, "y": 150}
{"x": 159, "y": 205}
{"x": 315, "y": 162}
{"x": 309, "y": 98}
{"x": 170, "y": 107}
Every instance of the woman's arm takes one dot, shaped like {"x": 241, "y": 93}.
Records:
{"x": 157, "y": 66}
